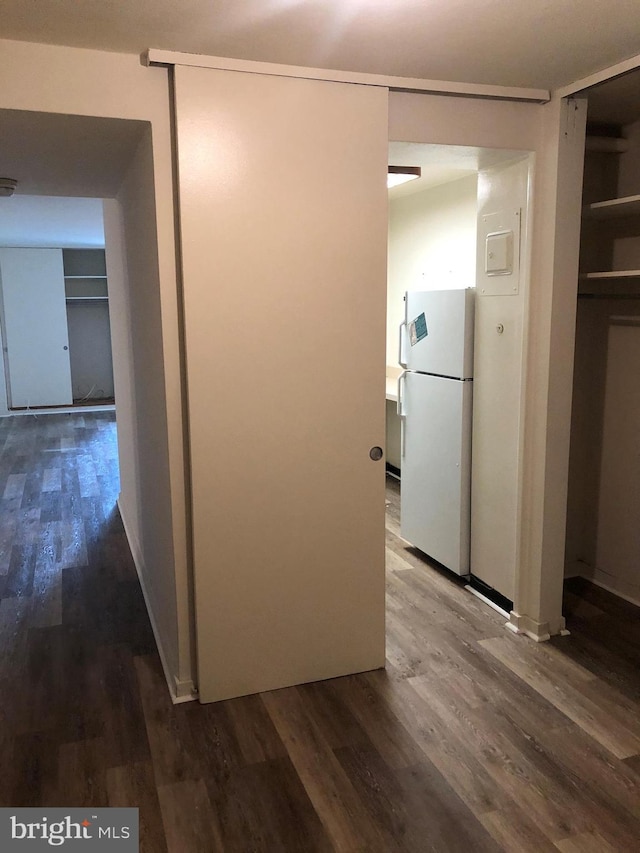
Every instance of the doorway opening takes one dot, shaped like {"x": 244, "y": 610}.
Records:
{"x": 111, "y": 161}
{"x": 440, "y": 228}
{"x": 602, "y": 545}
{"x": 54, "y": 291}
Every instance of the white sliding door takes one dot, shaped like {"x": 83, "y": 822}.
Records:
{"x": 35, "y": 327}
{"x": 284, "y": 232}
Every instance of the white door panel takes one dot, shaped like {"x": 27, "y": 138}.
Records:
{"x": 283, "y": 229}
{"x": 35, "y": 327}
{"x": 436, "y": 468}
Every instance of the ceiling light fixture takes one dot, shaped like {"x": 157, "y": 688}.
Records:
{"x": 7, "y": 186}
{"x": 397, "y": 175}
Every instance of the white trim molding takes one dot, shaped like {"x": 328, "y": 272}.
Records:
{"x": 184, "y": 691}
{"x": 486, "y": 600}
{"x": 155, "y": 56}
{"x": 538, "y": 631}
{"x": 594, "y": 579}
{"x": 600, "y": 77}
{"x": 180, "y": 691}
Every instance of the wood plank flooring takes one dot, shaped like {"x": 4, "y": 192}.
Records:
{"x": 472, "y": 739}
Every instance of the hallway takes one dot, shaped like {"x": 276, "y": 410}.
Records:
{"x": 471, "y": 739}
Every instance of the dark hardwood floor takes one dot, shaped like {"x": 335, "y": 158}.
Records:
{"x": 472, "y": 739}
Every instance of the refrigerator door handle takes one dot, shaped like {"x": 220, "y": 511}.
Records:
{"x": 401, "y": 339}
{"x": 401, "y": 411}
{"x": 400, "y": 403}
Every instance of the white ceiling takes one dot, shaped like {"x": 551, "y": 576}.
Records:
{"x": 74, "y": 223}
{"x": 442, "y": 164}
{"x": 66, "y": 155}
{"x": 539, "y": 43}
{"x": 65, "y": 166}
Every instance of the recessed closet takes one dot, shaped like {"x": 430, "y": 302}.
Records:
{"x": 603, "y": 535}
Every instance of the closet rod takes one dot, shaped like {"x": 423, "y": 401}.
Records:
{"x": 609, "y": 296}
{"x": 629, "y": 320}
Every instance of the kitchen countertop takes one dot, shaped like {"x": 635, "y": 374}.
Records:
{"x": 392, "y": 383}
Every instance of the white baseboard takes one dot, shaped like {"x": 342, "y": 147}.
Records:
{"x": 57, "y": 410}
{"x": 613, "y": 591}
{"x": 592, "y": 574}
{"x": 185, "y": 692}
{"x": 538, "y": 631}
{"x": 179, "y": 691}
{"x": 487, "y": 601}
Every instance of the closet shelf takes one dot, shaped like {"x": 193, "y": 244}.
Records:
{"x": 606, "y": 144}
{"x": 613, "y": 208}
{"x": 605, "y": 295}
{"x": 612, "y": 274}
{"x": 99, "y": 277}
{"x": 87, "y": 299}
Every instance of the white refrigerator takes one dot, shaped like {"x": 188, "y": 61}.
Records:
{"x": 435, "y": 404}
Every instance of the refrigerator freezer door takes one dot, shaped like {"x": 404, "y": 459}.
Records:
{"x": 438, "y": 334}
{"x": 436, "y": 466}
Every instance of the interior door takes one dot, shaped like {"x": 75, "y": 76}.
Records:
{"x": 35, "y": 328}
{"x": 283, "y": 218}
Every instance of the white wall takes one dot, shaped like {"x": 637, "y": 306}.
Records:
{"x": 604, "y": 496}
{"x": 134, "y": 306}
{"x": 432, "y": 246}
{"x": 587, "y": 420}
{"x": 71, "y": 81}
{"x": 51, "y": 221}
{"x": 617, "y": 564}
{"x": 498, "y": 387}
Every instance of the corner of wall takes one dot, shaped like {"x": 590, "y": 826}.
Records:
{"x": 538, "y": 631}
{"x": 180, "y": 691}
{"x": 552, "y": 306}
